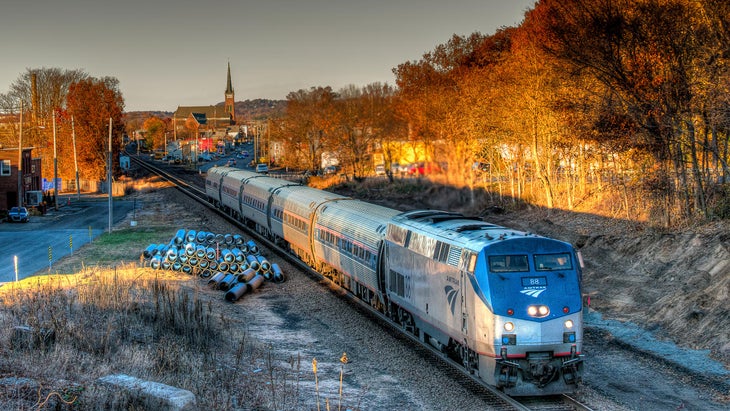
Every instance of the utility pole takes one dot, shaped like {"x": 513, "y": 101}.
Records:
{"x": 109, "y": 173}
{"x": 256, "y": 132}
{"x": 55, "y": 165}
{"x": 20, "y": 159}
{"x": 76, "y": 163}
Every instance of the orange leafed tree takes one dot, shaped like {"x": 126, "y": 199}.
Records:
{"x": 155, "y": 128}
{"x": 92, "y": 103}
{"x": 311, "y": 119}
{"x": 665, "y": 61}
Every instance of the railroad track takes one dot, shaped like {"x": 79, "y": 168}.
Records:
{"x": 496, "y": 398}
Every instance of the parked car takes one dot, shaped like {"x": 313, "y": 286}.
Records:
{"x": 396, "y": 168}
{"x": 231, "y": 162}
{"x": 18, "y": 215}
{"x": 380, "y": 170}
{"x": 479, "y": 166}
{"x": 331, "y": 170}
{"x": 262, "y": 168}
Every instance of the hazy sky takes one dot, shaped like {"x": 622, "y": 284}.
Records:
{"x": 167, "y": 53}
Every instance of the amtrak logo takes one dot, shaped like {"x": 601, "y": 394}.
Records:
{"x": 451, "y": 294}
{"x": 533, "y": 292}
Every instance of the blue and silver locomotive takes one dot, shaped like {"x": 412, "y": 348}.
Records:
{"x": 504, "y": 303}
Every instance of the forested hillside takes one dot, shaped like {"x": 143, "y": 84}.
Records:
{"x": 259, "y": 109}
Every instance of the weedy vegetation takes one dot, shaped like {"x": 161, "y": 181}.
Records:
{"x": 62, "y": 333}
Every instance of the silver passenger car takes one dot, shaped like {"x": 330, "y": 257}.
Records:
{"x": 348, "y": 236}
{"x": 255, "y": 197}
{"x": 292, "y": 212}
{"x": 213, "y": 183}
{"x": 230, "y": 189}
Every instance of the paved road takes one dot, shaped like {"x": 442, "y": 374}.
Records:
{"x": 72, "y": 225}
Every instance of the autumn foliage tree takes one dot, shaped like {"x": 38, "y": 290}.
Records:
{"x": 619, "y": 107}
{"x": 380, "y": 120}
{"x": 93, "y": 103}
{"x": 347, "y": 126}
{"x": 52, "y": 85}
{"x": 42, "y": 92}
{"x": 626, "y": 98}
{"x": 155, "y": 129}
{"x": 308, "y": 127}
{"x": 364, "y": 124}
{"x": 666, "y": 63}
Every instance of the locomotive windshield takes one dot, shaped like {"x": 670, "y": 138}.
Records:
{"x": 508, "y": 263}
{"x": 549, "y": 262}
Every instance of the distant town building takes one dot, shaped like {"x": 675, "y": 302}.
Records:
{"x": 207, "y": 126}
{"x": 230, "y": 97}
{"x": 211, "y": 118}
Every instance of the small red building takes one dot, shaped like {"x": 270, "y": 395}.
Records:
{"x": 30, "y": 180}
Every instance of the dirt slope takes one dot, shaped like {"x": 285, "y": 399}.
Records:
{"x": 676, "y": 284}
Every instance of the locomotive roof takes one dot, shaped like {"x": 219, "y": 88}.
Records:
{"x": 455, "y": 227}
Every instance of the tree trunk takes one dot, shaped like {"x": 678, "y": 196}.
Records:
{"x": 699, "y": 195}
{"x": 541, "y": 174}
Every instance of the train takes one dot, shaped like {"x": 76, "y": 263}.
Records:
{"x": 505, "y": 304}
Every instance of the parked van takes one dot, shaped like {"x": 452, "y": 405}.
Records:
{"x": 262, "y": 168}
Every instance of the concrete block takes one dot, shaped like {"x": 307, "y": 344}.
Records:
{"x": 155, "y": 395}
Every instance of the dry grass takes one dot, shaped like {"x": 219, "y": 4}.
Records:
{"x": 155, "y": 325}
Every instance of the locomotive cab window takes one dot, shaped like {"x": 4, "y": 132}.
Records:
{"x": 549, "y": 262}
{"x": 508, "y": 263}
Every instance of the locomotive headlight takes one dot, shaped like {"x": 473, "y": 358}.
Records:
{"x": 538, "y": 310}
{"x": 569, "y": 324}
{"x": 508, "y": 326}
